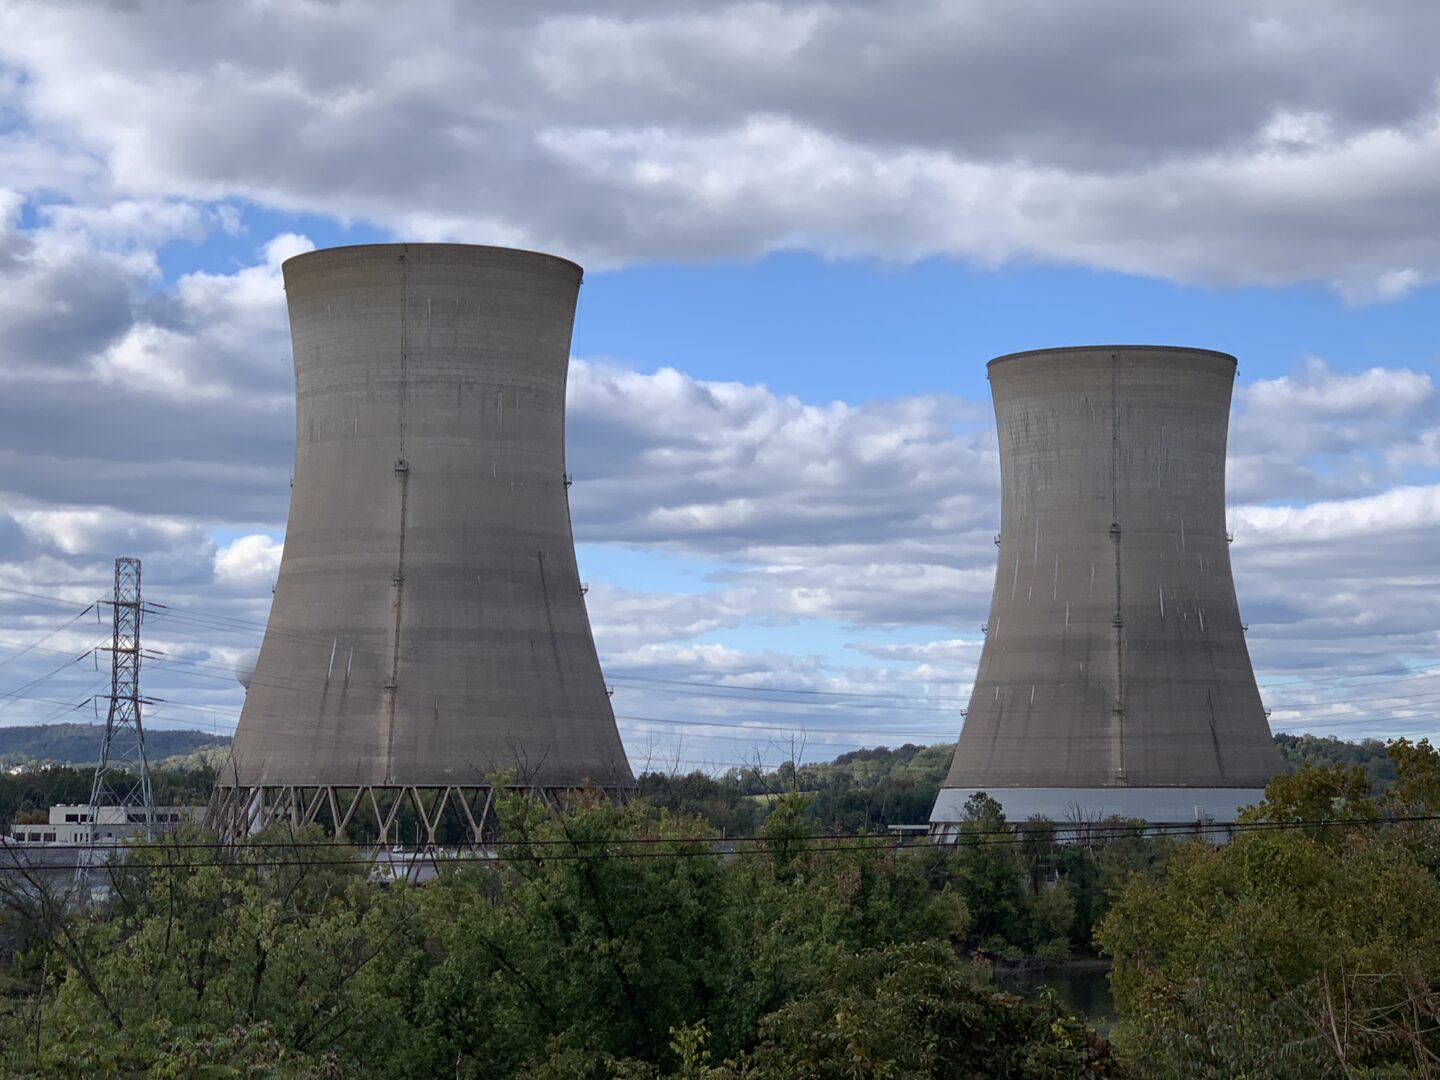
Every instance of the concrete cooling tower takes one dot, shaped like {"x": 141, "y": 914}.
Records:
{"x": 428, "y": 628}
{"x": 1115, "y": 679}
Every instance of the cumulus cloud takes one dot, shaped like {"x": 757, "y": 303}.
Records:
{"x": 1318, "y": 432}
{"x": 872, "y": 517}
{"x": 951, "y": 651}
{"x": 248, "y": 561}
{"x": 156, "y": 402}
{"x": 719, "y": 467}
{"x": 219, "y": 337}
{"x": 58, "y": 305}
{"x": 1223, "y": 142}
{"x": 1339, "y": 588}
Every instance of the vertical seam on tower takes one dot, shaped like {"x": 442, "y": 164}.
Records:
{"x": 402, "y": 471}
{"x": 1115, "y": 531}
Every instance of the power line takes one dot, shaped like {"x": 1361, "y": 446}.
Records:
{"x": 1360, "y": 674}
{"x": 761, "y": 696}
{"x": 730, "y": 689}
{"x": 796, "y": 845}
{"x": 1378, "y": 697}
{"x": 40, "y": 641}
{"x": 783, "y": 689}
{"x": 57, "y": 601}
{"x": 761, "y": 728}
{"x": 855, "y": 699}
{"x": 1401, "y": 701}
{"x": 12, "y": 696}
{"x": 1019, "y": 828}
{"x": 196, "y": 614}
{"x": 1376, "y": 716}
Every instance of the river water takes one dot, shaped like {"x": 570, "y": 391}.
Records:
{"x": 1083, "y": 988}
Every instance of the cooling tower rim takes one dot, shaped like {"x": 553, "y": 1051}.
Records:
{"x": 1066, "y": 349}
{"x": 406, "y": 247}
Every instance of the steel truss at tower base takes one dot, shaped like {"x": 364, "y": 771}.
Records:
{"x": 236, "y": 812}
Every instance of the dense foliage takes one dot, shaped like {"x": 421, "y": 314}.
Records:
{"x": 876, "y": 788}
{"x": 626, "y": 942}
{"x": 605, "y": 942}
{"x": 1294, "y": 951}
{"x": 1371, "y": 755}
{"x": 864, "y": 789}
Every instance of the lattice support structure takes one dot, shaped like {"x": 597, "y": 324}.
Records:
{"x": 122, "y": 777}
{"x": 438, "y": 816}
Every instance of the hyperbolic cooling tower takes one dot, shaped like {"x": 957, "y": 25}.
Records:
{"x": 428, "y": 626}
{"x": 1114, "y": 677}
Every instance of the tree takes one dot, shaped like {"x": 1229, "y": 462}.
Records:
{"x": 915, "y": 1011}
{"x": 1298, "y": 951}
{"x": 987, "y": 872}
{"x": 598, "y": 941}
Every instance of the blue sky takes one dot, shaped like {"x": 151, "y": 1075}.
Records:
{"x": 854, "y": 329}
{"x": 792, "y": 285}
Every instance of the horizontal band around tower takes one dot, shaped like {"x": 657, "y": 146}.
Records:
{"x": 1067, "y": 350}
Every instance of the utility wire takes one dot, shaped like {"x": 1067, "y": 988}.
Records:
{"x": 195, "y": 613}
{"x": 730, "y": 689}
{"x": 1107, "y": 827}
{"x": 210, "y": 618}
{"x": 1350, "y": 719}
{"x": 198, "y": 615}
{"x": 56, "y": 601}
{"x": 41, "y": 641}
{"x": 778, "y": 690}
{"x": 12, "y": 696}
{"x": 802, "y": 728}
{"x": 799, "y": 845}
{"x": 751, "y": 695}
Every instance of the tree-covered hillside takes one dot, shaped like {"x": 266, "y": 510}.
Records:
{"x": 864, "y": 789}
{"x": 1370, "y": 755}
{"x": 79, "y": 744}
{"x": 876, "y": 788}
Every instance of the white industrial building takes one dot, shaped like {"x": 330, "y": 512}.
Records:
{"x": 69, "y": 823}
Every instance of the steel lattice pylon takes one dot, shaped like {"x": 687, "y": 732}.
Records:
{"x": 122, "y": 777}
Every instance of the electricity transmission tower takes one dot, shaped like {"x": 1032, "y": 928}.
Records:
{"x": 122, "y": 778}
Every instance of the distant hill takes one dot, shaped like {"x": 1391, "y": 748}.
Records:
{"x": 79, "y": 744}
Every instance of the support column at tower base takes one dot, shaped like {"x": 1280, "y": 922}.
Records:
{"x": 428, "y": 815}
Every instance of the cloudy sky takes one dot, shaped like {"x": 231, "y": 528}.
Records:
{"x": 806, "y": 227}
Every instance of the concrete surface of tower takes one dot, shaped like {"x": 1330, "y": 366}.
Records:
{"x": 1115, "y": 677}
{"x": 428, "y": 627}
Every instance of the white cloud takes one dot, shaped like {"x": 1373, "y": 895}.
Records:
{"x": 222, "y": 334}
{"x": 81, "y": 531}
{"x": 248, "y": 561}
{"x": 1323, "y": 433}
{"x": 1193, "y": 142}
{"x": 1380, "y": 288}
{"x": 1378, "y": 518}
{"x": 954, "y": 650}
{"x": 716, "y": 467}
{"x": 1317, "y": 390}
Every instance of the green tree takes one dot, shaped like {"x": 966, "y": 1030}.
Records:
{"x": 1289, "y": 952}
{"x": 603, "y": 941}
{"x": 988, "y": 873}
{"x": 909, "y": 1012}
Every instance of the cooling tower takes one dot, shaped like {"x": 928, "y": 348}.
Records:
{"x": 1114, "y": 679}
{"x": 428, "y": 627}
